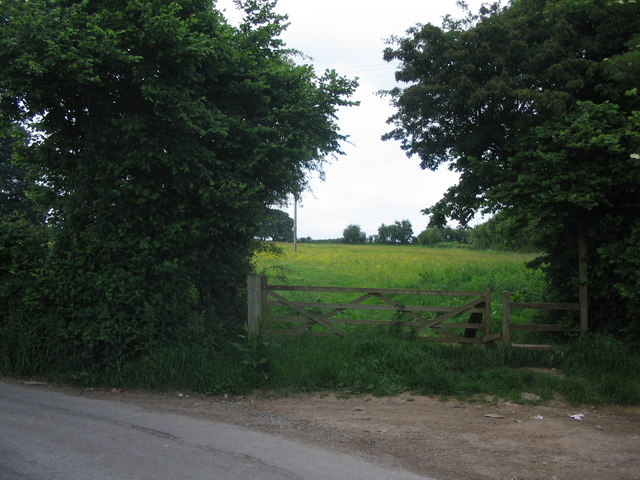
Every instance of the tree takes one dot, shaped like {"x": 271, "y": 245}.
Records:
{"x": 400, "y": 232}
{"x": 434, "y": 234}
{"x": 502, "y": 232}
{"x": 535, "y": 105}
{"x": 13, "y": 184}
{"x": 354, "y": 234}
{"x": 276, "y": 225}
{"x": 159, "y": 136}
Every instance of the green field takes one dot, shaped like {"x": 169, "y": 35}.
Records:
{"x": 414, "y": 267}
{"x": 384, "y": 266}
{"x": 596, "y": 369}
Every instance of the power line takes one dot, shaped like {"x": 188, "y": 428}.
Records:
{"x": 368, "y": 66}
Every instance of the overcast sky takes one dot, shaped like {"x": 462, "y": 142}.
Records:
{"x": 374, "y": 182}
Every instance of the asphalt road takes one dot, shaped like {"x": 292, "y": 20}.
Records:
{"x": 46, "y": 435}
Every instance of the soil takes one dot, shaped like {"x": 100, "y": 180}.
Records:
{"x": 444, "y": 439}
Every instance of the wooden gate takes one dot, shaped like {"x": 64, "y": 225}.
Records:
{"x": 429, "y": 322}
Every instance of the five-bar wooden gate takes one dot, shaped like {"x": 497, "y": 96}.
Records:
{"x": 270, "y": 305}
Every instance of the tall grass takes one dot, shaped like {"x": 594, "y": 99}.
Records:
{"x": 594, "y": 369}
{"x": 383, "y": 365}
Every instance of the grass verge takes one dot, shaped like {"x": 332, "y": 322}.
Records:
{"x": 582, "y": 372}
{"x": 595, "y": 370}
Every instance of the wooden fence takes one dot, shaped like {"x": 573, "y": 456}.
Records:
{"x": 326, "y": 318}
{"x": 508, "y": 327}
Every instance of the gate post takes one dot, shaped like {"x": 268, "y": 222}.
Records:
{"x": 506, "y": 320}
{"x": 487, "y": 311}
{"x": 256, "y": 303}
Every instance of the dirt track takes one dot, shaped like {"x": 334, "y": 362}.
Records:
{"x": 442, "y": 439}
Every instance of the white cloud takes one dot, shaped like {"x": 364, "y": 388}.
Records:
{"x": 374, "y": 182}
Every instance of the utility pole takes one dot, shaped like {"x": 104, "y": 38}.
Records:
{"x": 295, "y": 223}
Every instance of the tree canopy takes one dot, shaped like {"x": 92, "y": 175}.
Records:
{"x": 400, "y": 232}
{"x": 13, "y": 184}
{"x": 159, "y": 135}
{"x": 276, "y": 225}
{"x": 435, "y": 235}
{"x": 354, "y": 234}
{"x": 535, "y": 104}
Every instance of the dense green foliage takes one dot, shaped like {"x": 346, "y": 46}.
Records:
{"x": 536, "y": 105}
{"x": 501, "y": 232}
{"x": 13, "y": 184}
{"x": 400, "y": 232}
{"x": 354, "y": 234}
{"x": 275, "y": 225}
{"x": 159, "y": 134}
{"x": 435, "y": 235}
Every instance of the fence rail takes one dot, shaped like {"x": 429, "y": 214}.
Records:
{"x": 303, "y": 316}
{"x": 508, "y": 327}
{"x": 264, "y": 297}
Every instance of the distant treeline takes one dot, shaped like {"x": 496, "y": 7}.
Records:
{"x": 498, "y": 233}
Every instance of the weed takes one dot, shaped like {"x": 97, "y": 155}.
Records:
{"x": 254, "y": 355}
